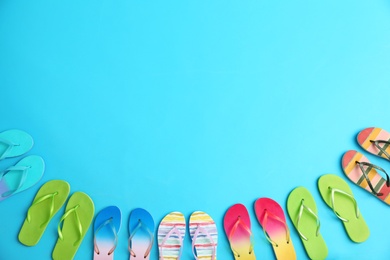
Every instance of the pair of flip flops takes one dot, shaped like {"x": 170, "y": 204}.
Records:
{"x": 75, "y": 221}
{"x": 271, "y": 217}
{"x": 107, "y": 225}
{"x": 361, "y": 171}
{"x": 303, "y": 212}
{"x": 24, "y": 174}
{"x": 203, "y": 232}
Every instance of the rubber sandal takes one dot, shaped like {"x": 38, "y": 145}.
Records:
{"x": 105, "y": 233}
{"x": 204, "y": 235}
{"x": 364, "y": 174}
{"x": 339, "y": 197}
{"x": 273, "y": 221}
{"x": 237, "y": 225}
{"x": 77, "y": 219}
{"x": 14, "y": 143}
{"x": 302, "y": 210}
{"x": 25, "y": 174}
{"x": 171, "y": 232}
{"x": 48, "y": 200}
{"x": 376, "y": 141}
{"x": 141, "y": 229}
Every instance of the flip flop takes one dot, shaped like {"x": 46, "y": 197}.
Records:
{"x": 204, "y": 235}
{"x": 77, "y": 219}
{"x": 237, "y": 225}
{"x": 49, "y": 199}
{"x": 302, "y": 210}
{"x": 25, "y": 174}
{"x": 364, "y": 174}
{"x": 271, "y": 217}
{"x": 105, "y": 229}
{"x": 376, "y": 141}
{"x": 141, "y": 229}
{"x": 14, "y": 143}
{"x": 171, "y": 232}
{"x": 339, "y": 197}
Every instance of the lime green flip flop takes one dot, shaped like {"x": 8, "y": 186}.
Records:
{"x": 338, "y": 196}
{"x": 77, "y": 219}
{"x": 302, "y": 210}
{"x": 49, "y": 199}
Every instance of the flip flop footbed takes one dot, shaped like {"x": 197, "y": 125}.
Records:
{"x": 141, "y": 229}
{"x": 78, "y": 213}
{"x": 171, "y": 232}
{"x": 301, "y": 201}
{"x": 273, "y": 221}
{"x": 355, "y": 174}
{"x": 48, "y": 200}
{"x": 204, "y": 235}
{"x": 344, "y": 205}
{"x": 367, "y": 136}
{"x": 14, "y": 143}
{"x": 23, "y": 175}
{"x": 106, "y": 227}
{"x": 237, "y": 227}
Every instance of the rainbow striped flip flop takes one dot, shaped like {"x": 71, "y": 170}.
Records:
{"x": 171, "y": 232}
{"x": 141, "y": 229}
{"x": 376, "y": 141}
{"x": 237, "y": 225}
{"x": 271, "y": 217}
{"x": 204, "y": 235}
{"x": 364, "y": 174}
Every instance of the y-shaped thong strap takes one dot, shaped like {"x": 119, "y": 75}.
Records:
{"x": 108, "y": 222}
{"x": 176, "y": 231}
{"x": 40, "y": 200}
{"x": 79, "y": 226}
{"x": 151, "y": 237}
{"x": 333, "y": 192}
{"x": 380, "y": 148}
{"x": 365, "y": 174}
{"x": 241, "y": 223}
{"x": 311, "y": 212}
{"x": 268, "y": 214}
{"x": 20, "y": 169}
{"x": 204, "y": 231}
{"x": 9, "y": 145}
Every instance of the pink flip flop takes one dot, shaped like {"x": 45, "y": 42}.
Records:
{"x": 237, "y": 227}
{"x": 273, "y": 221}
{"x": 376, "y": 141}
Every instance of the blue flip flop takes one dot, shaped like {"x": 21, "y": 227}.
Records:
{"x": 14, "y": 143}
{"x": 25, "y": 174}
{"x": 106, "y": 227}
{"x": 141, "y": 229}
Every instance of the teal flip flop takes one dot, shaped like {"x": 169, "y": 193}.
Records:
{"x": 106, "y": 227}
{"x": 14, "y": 143}
{"x": 25, "y": 174}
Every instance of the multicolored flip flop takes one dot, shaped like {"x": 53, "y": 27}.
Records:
{"x": 171, "y": 232}
{"x": 105, "y": 233}
{"x": 364, "y": 174}
{"x": 376, "y": 141}
{"x": 302, "y": 210}
{"x": 141, "y": 229}
{"x": 204, "y": 235}
{"x": 14, "y": 143}
{"x": 237, "y": 225}
{"x": 49, "y": 199}
{"x": 339, "y": 197}
{"x": 271, "y": 217}
{"x": 77, "y": 219}
{"x": 25, "y": 174}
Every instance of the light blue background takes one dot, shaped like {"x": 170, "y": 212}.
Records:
{"x": 194, "y": 105}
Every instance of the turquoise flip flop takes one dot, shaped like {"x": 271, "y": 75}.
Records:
{"x": 106, "y": 227}
{"x": 141, "y": 229}
{"x": 25, "y": 174}
{"x": 14, "y": 143}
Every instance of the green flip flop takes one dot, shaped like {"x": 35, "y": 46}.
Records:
{"x": 77, "y": 219}
{"x": 49, "y": 199}
{"x": 338, "y": 196}
{"x": 302, "y": 210}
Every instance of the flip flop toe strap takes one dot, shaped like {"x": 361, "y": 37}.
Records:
{"x": 40, "y": 200}
{"x": 9, "y": 145}
{"x": 382, "y": 149}
{"x": 333, "y": 192}
{"x": 367, "y": 170}
{"x": 176, "y": 231}
{"x": 79, "y": 226}
{"x": 151, "y": 237}
{"x": 311, "y": 213}
{"x": 204, "y": 231}
{"x": 241, "y": 223}
{"x": 23, "y": 172}
{"x": 268, "y": 214}
{"x": 110, "y": 224}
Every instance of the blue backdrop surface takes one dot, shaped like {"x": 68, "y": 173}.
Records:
{"x": 194, "y": 105}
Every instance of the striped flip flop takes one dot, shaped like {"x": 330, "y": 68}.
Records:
{"x": 237, "y": 225}
{"x": 273, "y": 221}
{"x": 141, "y": 229}
{"x": 171, "y": 233}
{"x": 376, "y": 141}
{"x": 204, "y": 235}
{"x": 364, "y": 174}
